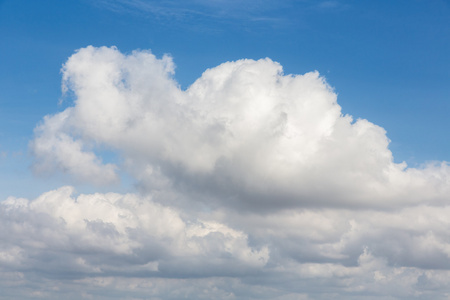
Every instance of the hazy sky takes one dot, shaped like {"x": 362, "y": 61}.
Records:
{"x": 224, "y": 149}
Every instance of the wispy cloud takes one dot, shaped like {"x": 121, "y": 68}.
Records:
{"x": 332, "y": 6}
{"x": 329, "y": 4}
{"x": 260, "y": 11}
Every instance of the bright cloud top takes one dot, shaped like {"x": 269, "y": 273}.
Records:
{"x": 244, "y": 133}
{"x": 253, "y": 185}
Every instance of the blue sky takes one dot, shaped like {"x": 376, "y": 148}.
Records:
{"x": 387, "y": 62}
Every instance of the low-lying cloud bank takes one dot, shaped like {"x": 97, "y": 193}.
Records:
{"x": 127, "y": 246}
{"x": 252, "y": 184}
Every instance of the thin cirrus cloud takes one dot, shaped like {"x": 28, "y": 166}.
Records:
{"x": 252, "y": 184}
{"x": 252, "y": 10}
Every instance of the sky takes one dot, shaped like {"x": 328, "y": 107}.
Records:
{"x": 253, "y": 149}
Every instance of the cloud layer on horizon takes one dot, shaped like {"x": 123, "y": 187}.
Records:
{"x": 252, "y": 184}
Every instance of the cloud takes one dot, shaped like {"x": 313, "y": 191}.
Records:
{"x": 244, "y": 135}
{"x": 54, "y": 149}
{"x": 112, "y": 234}
{"x": 251, "y": 184}
{"x": 230, "y": 11}
{"x": 115, "y": 245}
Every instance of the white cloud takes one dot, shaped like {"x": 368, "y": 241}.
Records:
{"x": 106, "y": 234}
{"x": 117, "y": 245}
{"x": 252, "y": 185}
{"x": 250, "y": 135}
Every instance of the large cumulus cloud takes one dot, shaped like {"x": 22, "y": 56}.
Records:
{"x": 244, "y": 135}
{"x": 251, "y": 184}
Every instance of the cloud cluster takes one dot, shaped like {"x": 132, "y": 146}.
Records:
{"x": 252, "y": 184}
{"x": 122, "y": 246}
{"x": 117, "y": 235}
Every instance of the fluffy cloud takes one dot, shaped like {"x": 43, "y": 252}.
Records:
{"x": 114, "y": 225}
{"x": 103, "y": 235}
{"x": 120, "y": 246}
{"x": 252, "y": 184}
{"x": 243, "y": 135}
